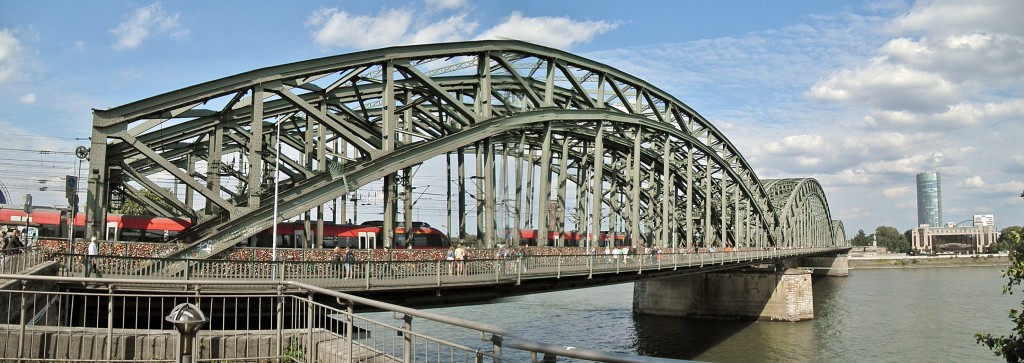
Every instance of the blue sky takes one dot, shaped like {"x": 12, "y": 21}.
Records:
{"x": 861, "y": 95}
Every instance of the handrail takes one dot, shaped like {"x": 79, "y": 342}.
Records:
{"x": 499, "y": 336}
{"x": 491, "y": 269}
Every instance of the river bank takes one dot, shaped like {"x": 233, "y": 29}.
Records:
{"x": 873, "y": 261}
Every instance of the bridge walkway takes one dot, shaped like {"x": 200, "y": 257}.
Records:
{"x": 430, "y": 274}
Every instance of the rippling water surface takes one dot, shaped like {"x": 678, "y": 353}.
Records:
{"x": 886, "y": 315}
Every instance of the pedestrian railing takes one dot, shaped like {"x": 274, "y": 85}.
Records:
{"x": 17, "y": 260}
{"x": 383, "y": 274}
{"x": 254, "y": 320}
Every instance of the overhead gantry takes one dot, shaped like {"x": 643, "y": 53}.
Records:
{"x": 560, "y": 142}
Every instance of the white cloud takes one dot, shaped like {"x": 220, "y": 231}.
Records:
{"x": 337, "y": 28}
{"x": 10, "y": 54}
{"x": 931, "y": 17}
{"x": 146, "y": 20}
{"x": 974, "y": 182}
{"x": 557, "y": 32}
{"x": 895, "y": 191}
{"x": 454, "y": 28}
{"x": 850, "y": 177}
{"x": 796, "y": 145}
{"x": 853, "y": 213}
{"x": 950, "y": 65}
{"x": 446, "y": 4}
{"x": 1010, "y": 188}
{"x": 1014, "y": 165}
{"x": 885, "y": 86}
{"x": 28, "y": 99}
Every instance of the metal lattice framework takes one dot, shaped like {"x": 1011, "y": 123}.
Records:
{"x": 628, "y": 152}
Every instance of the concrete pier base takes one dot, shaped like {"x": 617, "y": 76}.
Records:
{"x": 778, "y": 296}
{"x": 827, "y": 266}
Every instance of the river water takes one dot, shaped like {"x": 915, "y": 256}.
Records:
{"x": 875, "y": 315}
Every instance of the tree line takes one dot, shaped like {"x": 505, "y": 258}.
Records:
{"x": 892, "y": 240}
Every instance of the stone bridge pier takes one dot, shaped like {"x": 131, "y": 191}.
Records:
{"x": 782, "y": 292}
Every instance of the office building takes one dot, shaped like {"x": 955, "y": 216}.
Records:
{"x": 929, "y": 199}
{"x": 984, "y": 220}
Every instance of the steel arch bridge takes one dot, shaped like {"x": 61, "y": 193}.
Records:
{"x": 607, "y": 149}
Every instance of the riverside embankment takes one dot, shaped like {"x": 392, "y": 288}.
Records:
{"x": 871, "y": 260}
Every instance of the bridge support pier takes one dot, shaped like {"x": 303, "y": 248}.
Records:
{"x": 827, "y": 266}
{"x": 775, "y": 295}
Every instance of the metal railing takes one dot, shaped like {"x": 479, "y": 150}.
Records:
{"x": 269, "y": 321}
{"x": 18, "y": 260}
{"x": 395, "y": 274}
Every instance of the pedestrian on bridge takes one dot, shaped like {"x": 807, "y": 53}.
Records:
{"x": 91, "y": 253}
{"x": 385, "y": 265}
{"x": 349, "y": 259}
{"x": 336, "y": 261}
{"x": 16, "y": 241}
{"x": 450, "y": 257}
{"x": 460, "y": 260}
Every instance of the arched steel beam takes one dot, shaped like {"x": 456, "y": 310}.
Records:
{"x": 361, "y": 98}
{"x": 300, "y": 197}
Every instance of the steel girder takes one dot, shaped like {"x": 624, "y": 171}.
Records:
{"x": 805, "y": 213}
{"x": 349, "y": 120}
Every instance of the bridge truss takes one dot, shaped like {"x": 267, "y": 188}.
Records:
{"x": 538, "y": 124}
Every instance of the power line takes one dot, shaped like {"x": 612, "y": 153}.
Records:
{"x": 49, "y": 137}
{"x": 43, "y": 152}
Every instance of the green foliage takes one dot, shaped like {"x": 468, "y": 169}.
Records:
{"x": 861, "y": 239}
{"x": 133, "y": 208}
{"x": 892, "y": 239}
{"x": 294, "y": 349}
{"x": 1005, "y": 241}
{"x": 1010, "y": 347}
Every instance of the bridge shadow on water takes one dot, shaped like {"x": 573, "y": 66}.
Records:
{"x": 682, "y": 338}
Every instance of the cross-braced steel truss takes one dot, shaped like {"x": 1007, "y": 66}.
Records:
{"x": 627, "y": 155}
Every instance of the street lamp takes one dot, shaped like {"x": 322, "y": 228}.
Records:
{"x": 187, "y": 320}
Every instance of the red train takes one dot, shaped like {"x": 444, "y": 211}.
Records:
{"x": 51, "y": 223}
{"x": 366, "y": 235}
{"x": 528, "y": 237}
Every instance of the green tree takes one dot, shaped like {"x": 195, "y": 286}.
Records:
{"x": 1010, "y": 346}
{"x": 892, "y": 239}
{"x": 860, "y": 239}
{"x": 133, "y": 208}
{"x": 1005, "y": 241}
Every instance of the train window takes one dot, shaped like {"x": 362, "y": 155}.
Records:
{"x": 347, "y": 242}
{"x": 131, "y": 234}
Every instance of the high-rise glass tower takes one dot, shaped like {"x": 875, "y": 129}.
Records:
{"x": 929, "y": 199}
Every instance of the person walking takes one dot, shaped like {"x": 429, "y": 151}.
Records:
{"x": 90, "y": 255}
{"x": 16, "y": 241}
{"x": 385, "y": 265}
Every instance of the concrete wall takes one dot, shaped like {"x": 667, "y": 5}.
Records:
{"x": 837, "y": 266}
{"x": 785, "y": 296}
{"x": 140, "y": 345}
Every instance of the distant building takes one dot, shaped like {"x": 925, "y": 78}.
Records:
{"x": 984, "y": 220}
{"x": 929, "y": 199}
{"x": 979, "y": 238}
